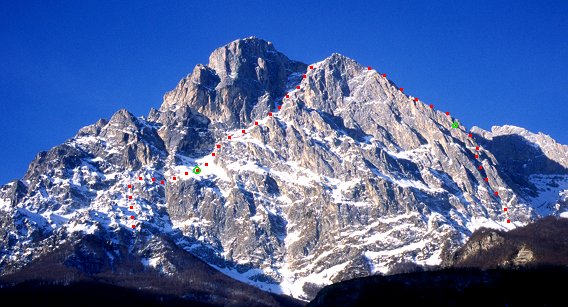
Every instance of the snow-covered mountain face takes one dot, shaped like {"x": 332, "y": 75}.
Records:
{"x": 349, "y": 177}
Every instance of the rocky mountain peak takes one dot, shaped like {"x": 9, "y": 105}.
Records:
{"x": 241, "y": 82}
{"x": 339, "y": 61}
{"x": 337, "y": 82}
{"x": 243, "y": 55}
{"x": 123, "y": 118}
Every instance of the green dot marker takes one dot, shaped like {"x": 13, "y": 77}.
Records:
{"x": 196, "y": 170}
{"x": 455, "y": 124}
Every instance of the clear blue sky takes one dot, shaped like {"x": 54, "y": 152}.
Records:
{"x": 65, "y": 64}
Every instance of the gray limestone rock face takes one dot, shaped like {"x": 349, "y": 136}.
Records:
{"x": 240, "y": 83}
{"x": 186, "y": 132}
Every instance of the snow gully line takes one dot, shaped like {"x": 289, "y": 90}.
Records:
{"x": 214, "y": 154}
{"x": 133, "y": 207}
{"x": 131, "y": 203}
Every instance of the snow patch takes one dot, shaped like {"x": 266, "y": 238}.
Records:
{"x": 151, "y": 262}
{"x": 551, "y": 189}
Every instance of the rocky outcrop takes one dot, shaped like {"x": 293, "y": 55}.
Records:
{"x": 481, "y": 243}
{"x": 524, "y": 256}
{"x": 541, "y": 243}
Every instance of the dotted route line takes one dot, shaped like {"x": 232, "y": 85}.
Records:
{"x": 197, "y": 170}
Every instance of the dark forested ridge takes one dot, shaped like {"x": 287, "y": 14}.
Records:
{"x": 83, "y": 272}
{"x": 91, "y": 293}
{"x": 36, "y": 293}
{"x": 451, "y": 287}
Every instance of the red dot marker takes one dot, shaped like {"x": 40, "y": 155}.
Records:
{"x": 508, "y": 221}
{"x": 130, "y": 186}
{"x": 218, "y": 145}
{"x": 206, "y": 164}
{"x": 139, "y": 178}
{"x": 213, "y": 154}
{"x": 174, "y": 178}
{"x": 496, "y": 193}
{"x": 384, "y": 75}
{"x": 416, "y": 99}
{"x": 287, "y": 96}
{"x": 256, "y": 123}
{"x": 504, "y": 209}
{"x": 133, "y": 226}
{"x": 162, "y": 182}
{"x": 311, "y": 67}
{"x": 486, "y": 179}
{"x": 243, "y": 131}
{"x": 131, "y": 207}
{"x": 132, "y": 217}
{"x": 279, "y": 107}
{"x": 431, "y": 106}
{"x": 369, "y": 68}
{"x": 304, "y": 76}
{"x": 470, "y": 135}
{"x": 186, "y": 173}
{"x": 130, "y": 197}
{"x": 480, "y": 167}
{"x": 229, "y": 137}
{"x": 269, "y": 113}
{"x": 476, "y": 147}
{"x": 402, "y": 89}
{"x": 476, "y": 156}
{"x": 153, "y": 179}
{"x": 298, "y": 87}
{"x": 448, "y": 113}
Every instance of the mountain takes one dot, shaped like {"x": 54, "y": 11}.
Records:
{"x": 283, "y": 175}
